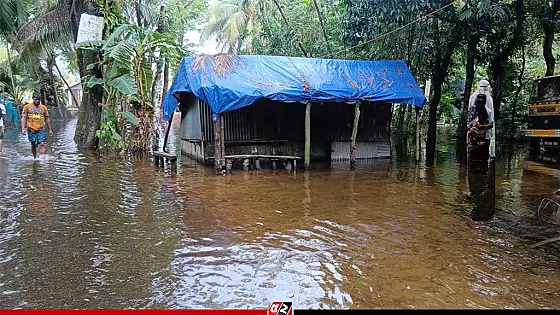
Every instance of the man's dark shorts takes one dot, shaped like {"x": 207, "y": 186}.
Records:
{"x": 37, "y": 138}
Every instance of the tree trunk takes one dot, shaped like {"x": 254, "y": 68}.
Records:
{"x": 432, "y": 122}
{"x": 408, "y": 120}
{"x": 498, "y": 69}
{"x": 165, "y": 77}
{"x": 442, "y": 56}
{"x": 462, "y": 126}
{"x": 50, "y": 61}
{"x": 498, "y": 63}
{"x": 548, "y": 29}
{"x": 400, "y": 118}
{"x": 89, "y": 114}
{"x": 512, "y": 125}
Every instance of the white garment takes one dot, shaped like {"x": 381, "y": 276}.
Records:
{"x": 485, "y": 91}
{"x": 3, "y": 108}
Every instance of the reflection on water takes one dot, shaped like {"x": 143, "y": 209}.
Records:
{"x": 82, "y": 231}
{"x": 481, "y": 178}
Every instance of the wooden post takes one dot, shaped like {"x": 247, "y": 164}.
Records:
{"x": 167, "y": 132}
{"x": 257, "y": 164}
{"x": 307, "y": 156}
{"x": 354, "y": 134}
{"x": 288, "y": 165}
{"x": 229, "y": 165}
{"x": 417, "y": 135}
{"x": 222, "y": 141}
{"x": 217, "y": 146}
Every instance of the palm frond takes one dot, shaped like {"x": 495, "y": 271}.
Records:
{"x": 148, "y": 14}
{"x": 12, "y": 14}
{"x": 235, "y": 26}
{"x": 221, "y": 64}
{"x": 51, "y": 28}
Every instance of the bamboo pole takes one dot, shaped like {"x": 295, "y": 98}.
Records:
{"x": 222, "y": 142}
{"x": 417, "y": 135}
{"x": 307, "y": 157}
{"x": 354, "y": 134}
{"x": 167, "y": 132}
{"x": 217, "y": 145}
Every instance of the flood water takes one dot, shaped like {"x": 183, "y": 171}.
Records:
{"x": 82, "y": 231}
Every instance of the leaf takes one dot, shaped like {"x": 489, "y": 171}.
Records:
{"x": 113, "y": 37}
{"x": 123, "y": 52}
{"x": 131, "y": 118}
{"x": 93, "y": 82}
{"x": 115, "y": 135}
{"x": 147, "y": 78}
{"x": 94, "y": 45}
{"x": 125, "y": 84}
{"x": 91, "y": 66}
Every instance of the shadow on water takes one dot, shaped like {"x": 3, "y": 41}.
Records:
{"x": 82, "y": 231}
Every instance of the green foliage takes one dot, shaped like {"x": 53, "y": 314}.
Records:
{"x": 15, "y": 79}
{"x": 108, "y": 132}
{"x": 129, "y": 53}
{"x": 130, "y": 118}
{"x": 12, "y": 14}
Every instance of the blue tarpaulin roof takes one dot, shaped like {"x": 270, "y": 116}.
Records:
{"x": 229, "y": 82}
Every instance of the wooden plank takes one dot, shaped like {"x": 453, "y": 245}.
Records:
{"x": 167, "y": 155}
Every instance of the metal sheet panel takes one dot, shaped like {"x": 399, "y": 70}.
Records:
{"x": 340, "y": 150}
{"x": 190, "y": 118}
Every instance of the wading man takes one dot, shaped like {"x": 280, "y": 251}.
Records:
{"x": 33, "y": 120}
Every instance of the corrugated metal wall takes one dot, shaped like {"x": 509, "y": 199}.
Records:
{"x": 281, "y": 125}
{"x": 260, "y": 121}
{"x": 340, "y": 150}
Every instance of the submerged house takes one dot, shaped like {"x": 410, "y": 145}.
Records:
{"x": 237, "y": 107}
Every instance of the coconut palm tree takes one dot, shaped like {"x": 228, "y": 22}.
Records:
{"x": 233, "y": 23}
{"x": 41, "y": 39}
{"x": 58, "y": 28}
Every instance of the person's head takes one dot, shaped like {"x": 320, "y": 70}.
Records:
{"x": 484, "y": 86}
{"x": 36, "y": 98}
{"x": 480, "y": 104}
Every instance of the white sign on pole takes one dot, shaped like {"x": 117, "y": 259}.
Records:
{"x": 91, "y": 28}
{"x": 427, "y": 89}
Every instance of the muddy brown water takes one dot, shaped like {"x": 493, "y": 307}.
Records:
{"x": 82, "y": 231}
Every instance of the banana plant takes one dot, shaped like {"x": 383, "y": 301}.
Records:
{"x": 128, "y": 67}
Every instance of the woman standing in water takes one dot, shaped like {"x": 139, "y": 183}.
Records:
{"x": 484, "y": 88}
{"x": 481, "y": 181}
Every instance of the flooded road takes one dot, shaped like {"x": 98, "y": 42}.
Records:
{"x": 82, "y": 231}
